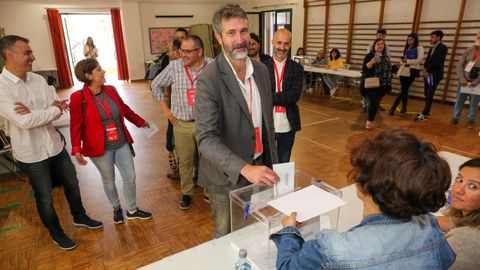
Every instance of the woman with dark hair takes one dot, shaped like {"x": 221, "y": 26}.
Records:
{"x": 376, "y": 79}
{"x": 98, "y": 131}
{"x": 335, "y": 62}
{"x": 462, "y": 220}
{"x": 300, "y": 52}
{"x": 90, "y": 50}
{"x": 400, "y": 181}
{"x": 412, "y": 59}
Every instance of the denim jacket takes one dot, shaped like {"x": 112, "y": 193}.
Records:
{"x": 378, "y": 242}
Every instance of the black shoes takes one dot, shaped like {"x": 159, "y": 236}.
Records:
{"x": 186, "y": 202}
{"x": 87, "y": 222}
{"x": 63, "y": 241}
{"x": 139, "y": 214}
{"x": 118, "y": 216}
{"x": 392, "y": 111}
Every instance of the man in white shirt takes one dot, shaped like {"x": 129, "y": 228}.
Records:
{"x": 30, "y": 105}
{"x": 286, "y": 78}
{"x": 233, "y": 116}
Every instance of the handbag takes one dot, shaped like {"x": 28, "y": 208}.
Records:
{"x": 372, "y": 82}
{"x": 404, "y": 71}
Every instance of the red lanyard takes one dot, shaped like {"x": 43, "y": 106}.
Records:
{"x": 279, "y": 79}
{"x": 251, "y": 94}
{"x": 192, "y": 81}
{"x": 476, "y": 54}
{"x": 106, "y": 107}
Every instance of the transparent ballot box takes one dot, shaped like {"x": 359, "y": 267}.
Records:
{"x": 253, "y": 220}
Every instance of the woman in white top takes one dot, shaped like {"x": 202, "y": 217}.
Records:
{"x": 412, "y": 58}
{"x": 90, "y": 51}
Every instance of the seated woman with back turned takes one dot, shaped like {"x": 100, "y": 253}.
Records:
{"x": 462, "y": 221}
{"x": 400, "y": 180}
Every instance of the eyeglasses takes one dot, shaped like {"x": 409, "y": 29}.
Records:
{"x": 188, "y": 51}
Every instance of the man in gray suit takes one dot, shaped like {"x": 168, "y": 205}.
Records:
{"x": 234, "y": 122}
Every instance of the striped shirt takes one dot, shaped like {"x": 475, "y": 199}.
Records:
{"x": 115, "y": 112}
{"x": 174, "y": 75}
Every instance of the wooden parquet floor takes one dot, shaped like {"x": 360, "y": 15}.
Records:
{"x": 331, "y": 128}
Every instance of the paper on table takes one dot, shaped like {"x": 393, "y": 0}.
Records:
{"x": 308, "y": 202}
{"x": 150, "y": 131}
{"x": 286, "y": 172}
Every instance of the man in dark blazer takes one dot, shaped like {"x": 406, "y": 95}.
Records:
{"x": 286, "y": 78}
{"x": 234, "y": 122}
{"x": 432, "y": 71}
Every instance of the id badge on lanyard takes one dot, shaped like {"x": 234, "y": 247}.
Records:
{"x": 258, "y": 138}
{"x": 258, "y": 141}
{"x": 279, "y": 109}
{"x": 191, "y": 96}
{"x": 191, "y": 91}
{"x": 111, "y": 127}
{"x": 112, "y": 132}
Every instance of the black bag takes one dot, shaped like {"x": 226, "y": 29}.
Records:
{"x": 160, "y": 63}
{"x": 474, "y": 73}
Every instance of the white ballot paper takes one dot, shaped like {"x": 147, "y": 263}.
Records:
{"x": 286, "y": 172}
{"x": 150, "y": 131}
{"x": 308, "y": 202}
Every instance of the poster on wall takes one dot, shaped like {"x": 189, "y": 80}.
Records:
{"x": 160, "y": 37}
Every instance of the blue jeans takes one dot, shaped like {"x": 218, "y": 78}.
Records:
{"x": 284, "y": 145}
{"x": 42, "y": 175}
{"x": 457, "y": 109}
{"x": 122, "y": 158}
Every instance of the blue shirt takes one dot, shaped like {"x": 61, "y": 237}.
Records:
{"x": 378, "y": 242}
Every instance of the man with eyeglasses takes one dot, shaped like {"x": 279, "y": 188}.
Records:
{"x": 182, "y": 76}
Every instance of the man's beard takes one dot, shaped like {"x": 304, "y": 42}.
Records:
{"x": 237, "y": 55}
{"x": 281, "y": 54}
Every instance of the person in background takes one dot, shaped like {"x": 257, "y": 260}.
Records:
{"x": 376, "y": 64}
{"x": 469, "y": 75}
{"x": 397, "y": 229}
{"x": 29, "y": 106}
{"x": 432, "y": 72}
{"x": 335, "y": 62}
{"x": 412, "y": 58}
{"x": 286, "y": 78}
{"x": 90, "y": 50}
{"x": 300, "y": 52}
{"x": 381, "y": 33}
{"x": 235, "y": 132}
{"x": 255, "y": 49}
{"x": 320, "y": 60}
{"x": 182, "y": 75}
{"x": 462, "y": 221}
{"x": 181, "y": 33}
{"x": 173, "y": 54}
{"x": 98, "y": 131}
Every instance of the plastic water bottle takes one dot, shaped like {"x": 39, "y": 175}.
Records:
{"x": 242, "y": 263}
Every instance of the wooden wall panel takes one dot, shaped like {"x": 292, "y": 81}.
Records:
{"x": 398, "y": 18}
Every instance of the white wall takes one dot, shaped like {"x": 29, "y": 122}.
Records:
{"x": 297, "y": 15}
{"x": 29, "y": 19}
{"x": 202, "y": 13}
{"x": 134, "y": 39}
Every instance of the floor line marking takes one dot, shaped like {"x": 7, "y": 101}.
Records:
{"x": 321, "y": 144}
{"x": 320, "y": 122}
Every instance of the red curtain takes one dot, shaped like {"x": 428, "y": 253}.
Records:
{"x": 122, "y": 64}
{"x": 56, "y": 31}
